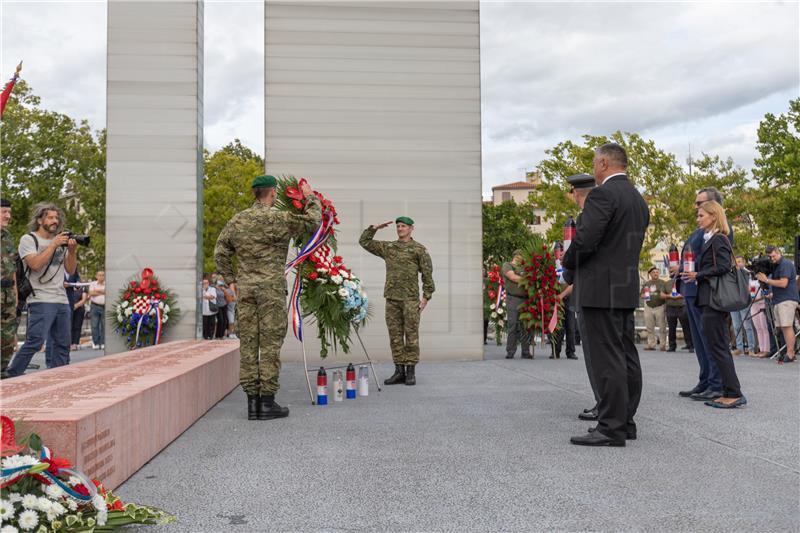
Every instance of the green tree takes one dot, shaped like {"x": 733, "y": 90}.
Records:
{"x": 49, "y": 156}
{"x": 777, "y": 172}
{"x": 228, "y": 174}
{"x": 504, "y": 230}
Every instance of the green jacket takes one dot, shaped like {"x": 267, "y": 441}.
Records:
{"x": 259, "y": 239}
{"x": 404, "y": 262}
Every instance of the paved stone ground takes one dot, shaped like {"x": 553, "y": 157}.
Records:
{"x": 483, "y": 446}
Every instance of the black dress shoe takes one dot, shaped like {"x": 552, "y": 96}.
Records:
{"x": 510, "y": 356}
{"x": 590, "y": 416}
{"x": 630, "y": 435}
{"x": 526, "y": 356}
{"x": 706, "y": 395}
{"x": 591, "y": 409}
{"x": 672, "y": 349}
{"x": 572, "y": 356}
{"x": 687, "y": 393}
{"x": 686, "y": 347}
{"x": 595, "y": 438}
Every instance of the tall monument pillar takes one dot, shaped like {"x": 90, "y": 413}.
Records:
{"x": 154, "y": 185}
{"x": 378, "y": 103}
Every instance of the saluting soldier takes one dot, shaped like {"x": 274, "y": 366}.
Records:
{"x": 259, "y": 239}
{"x": 406, "y": 260}
{"x": 8, "y": 307}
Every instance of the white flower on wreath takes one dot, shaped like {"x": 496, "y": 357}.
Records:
{"x": 343, "y": 293}
{"x": 152, "y": 311}
{"x": 99, "y": 502}
{"x": 164, "y": 319}
{"x": 15, "y": 461}
{"x": 44, "y": 504}
{"x": 500, "y": 323}
{"x": 494, "y": 315}
{"x": 15, "y": 497}
{"x": 59, "y": 509}
{"x": 492, "y": 307}
{"x": 344, "y": 274}
{"x": 28, "y": 520}
{"x": 102, "y": 517}
{"x": 54, "y": 491}
{"x": 29, "y": 501}
{"x": 9, "y": 529}
{"x": 337, "y": 279}
{"x": 120, "y": 319}
{"x": 499, "y": 310}
{"x": 72, "y": 505}
{"x": 124, "y": 304}
{"x": 166, "y": 308}
{"x": 6, "y": 510}
{"x": 128, "y": 311}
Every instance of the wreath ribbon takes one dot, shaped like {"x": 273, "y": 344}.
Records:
{"x": 307, "y": 250}
{"x": 153, "y": 305}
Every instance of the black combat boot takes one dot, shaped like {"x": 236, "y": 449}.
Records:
{"x": 252, "y": 407}
{"x": 399, "y": 376}
{"x": 411, "y": 379}
{"x": 268, "y": 408}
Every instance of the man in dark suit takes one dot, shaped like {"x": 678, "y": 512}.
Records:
{"x": 605, "y": 258}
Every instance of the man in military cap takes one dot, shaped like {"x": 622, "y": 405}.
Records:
{"x": 259, "y": 239}
{"x": 8, "y": 310}
{"x": 405, "y": 260}
{"x": 582, "y": 185}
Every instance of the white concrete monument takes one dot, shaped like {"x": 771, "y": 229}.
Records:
{"x": 154, "y": 186}
{"x": 378, "y": 103}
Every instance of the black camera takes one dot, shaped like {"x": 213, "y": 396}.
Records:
{"x": 761, "y": 265}
{"x": 82, "y": 240}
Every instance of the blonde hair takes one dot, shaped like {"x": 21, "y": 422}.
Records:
{"x": 718, "y": 212}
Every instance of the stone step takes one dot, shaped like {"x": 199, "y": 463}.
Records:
{"x": 111, "y": 415}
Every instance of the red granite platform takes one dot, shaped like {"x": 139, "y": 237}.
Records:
{"x": 112, "y": 414}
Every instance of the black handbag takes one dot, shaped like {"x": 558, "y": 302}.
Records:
{"x": 731, "y": 290}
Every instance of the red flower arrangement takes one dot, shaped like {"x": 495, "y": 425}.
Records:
{"x": 494, "y": 310}
{"x": 542, "y": 311}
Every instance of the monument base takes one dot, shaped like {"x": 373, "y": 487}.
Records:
{"x": 111, "y": 415}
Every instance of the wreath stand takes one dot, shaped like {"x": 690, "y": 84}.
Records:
{"x": 309, "y": 371}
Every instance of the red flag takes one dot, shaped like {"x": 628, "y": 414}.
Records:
{"x": 9, "y": 87}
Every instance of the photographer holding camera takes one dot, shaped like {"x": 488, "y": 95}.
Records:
{"x": 47, "y": 253}
{"x": 783, "y": 282}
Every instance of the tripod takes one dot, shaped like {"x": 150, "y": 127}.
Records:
{"x": 769, "y": 316}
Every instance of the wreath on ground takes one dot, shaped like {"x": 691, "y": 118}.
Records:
{"x": 494, "y": 302}
{"x": 144, "y": 310}
{"x": 542, "y": 312}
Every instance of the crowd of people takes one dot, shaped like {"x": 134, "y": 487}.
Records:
{"x": 46, "y": 284}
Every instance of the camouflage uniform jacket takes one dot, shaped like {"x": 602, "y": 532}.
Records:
{"x": 404, "y": 260}
{"x": 259, "y": 238}
{"x": 8, "y": 269}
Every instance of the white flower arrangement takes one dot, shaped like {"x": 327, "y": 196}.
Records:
{"x": 337, "y": 279}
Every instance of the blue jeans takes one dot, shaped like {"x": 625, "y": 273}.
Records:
{"x": 98, "y": 324}
{"x": 45, "y": 321}
{"x": 739, "y": 318}
{"x": 709, "y": 372}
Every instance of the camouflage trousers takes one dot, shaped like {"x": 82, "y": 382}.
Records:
{"x": 261, "y": 325}
{"x": 8, "y": 328}
{"x": 402, "y": 320}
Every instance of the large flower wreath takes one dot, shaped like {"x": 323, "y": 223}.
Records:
{"x": 144, "y": 310}
{"x": 325, "y": 287}
{"x": 541, "y": 312}
{"x": 40, "y": 492}
{"x": 494, "y": 301}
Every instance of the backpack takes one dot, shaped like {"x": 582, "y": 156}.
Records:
{"x": 24, "y": 287}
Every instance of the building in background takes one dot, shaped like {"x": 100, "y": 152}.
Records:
{"x": 518, "y": 192}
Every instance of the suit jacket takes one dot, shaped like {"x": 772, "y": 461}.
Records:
{"x": 605, "y": 251}
{"x": 695, "y": 242}
{"x": 716, "y": 250}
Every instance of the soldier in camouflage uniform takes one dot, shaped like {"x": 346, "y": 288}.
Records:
{"x": 405, "y": 260}
{"x": 259, "y": 239}
{"x": 8, "y": 311}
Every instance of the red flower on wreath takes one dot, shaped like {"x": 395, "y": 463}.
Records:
{"x": 312, "y": 275}
{"x": 294, "y": 194}
{"x": 297, "y": 204}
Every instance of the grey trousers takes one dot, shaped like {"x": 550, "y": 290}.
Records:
{"x": 517, "y": 334}
{"x": 586, "y": 356}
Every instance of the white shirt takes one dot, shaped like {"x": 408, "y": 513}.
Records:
{"x": 611, "y": 176}
{"x": 211, "y": 291}
{"x": 95, "y": 286}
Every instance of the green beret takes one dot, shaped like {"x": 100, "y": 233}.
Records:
{"x": 404, "y": 220}
{"x": 264, "y": 181}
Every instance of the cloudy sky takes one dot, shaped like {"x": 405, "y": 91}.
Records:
{"x": 699, "y": 74}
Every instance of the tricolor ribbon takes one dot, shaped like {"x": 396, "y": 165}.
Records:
{"x": 153, "y": 305}
{"x": 307, "y": 250}
{"x": 500, "y": 293}
{"x": 9, "y": 476}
